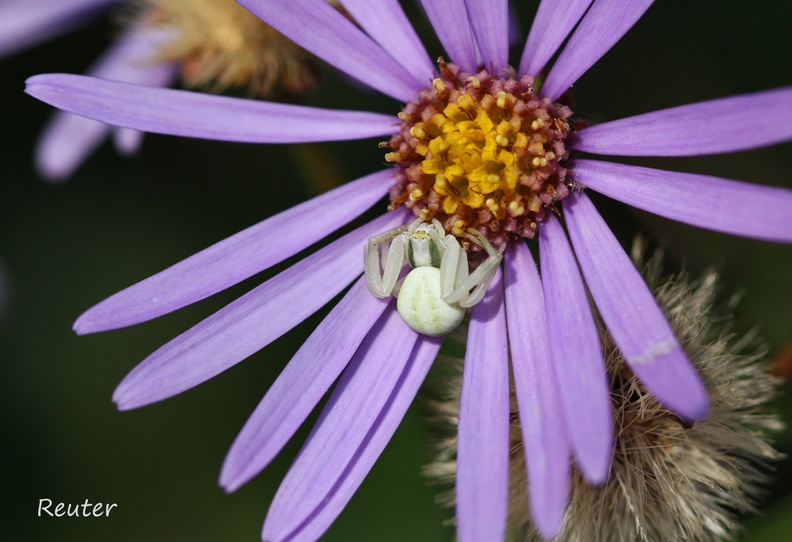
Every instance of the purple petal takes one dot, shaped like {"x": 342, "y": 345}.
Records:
{"x": 346, "y": 420}
{"x": 450, "y": 21}
{"x": 730, "y": 124}
{"x": 482, "y": 479}
{"x": 133, "y": 58}
{"x": 631, "y": 313}
{"x": 251, "y": 322}
{"x": 301, "y": 385}
{"x": 194, "y": 114}
{"x": 577, "y": 352}
{"x": 420, "y": 361}
{"x": 65, "y": 143}
{"x": 386, "y": 22}
{"x": 554, "y": 20}
{"x": 127, "y": 142}
{"x": 490, "y": 21}
{"x": 747, "y": 210}
{"x": 322, "y": 30}
{"x": 236, "y": 258}
{"x": 24, "y": 23}
{"x": 69, "y": 139}
{"x": 545, "y": 440}
{"x": 604, "y": 24}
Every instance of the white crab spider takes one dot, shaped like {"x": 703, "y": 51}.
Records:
{"x": 432, "y": 298}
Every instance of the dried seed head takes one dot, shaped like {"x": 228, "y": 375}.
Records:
{"x": 219, "y": 44}
{"x": 669, "y": 481}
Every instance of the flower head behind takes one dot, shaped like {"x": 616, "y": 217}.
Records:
{"x": 204, "y": 44}
{"x": 669, "y": 480}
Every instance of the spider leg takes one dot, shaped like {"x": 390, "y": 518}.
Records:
{"x": 414, "y": 225}
{"x": 439, "y": 228}
{"x": 479, "y": 280}
{"x": 478, "y": 238}
{"x": 438, "y": 236}
{"x": 397, "y": 288}
{"x": 381, "y": 283}
{"x": 453, "y": 268}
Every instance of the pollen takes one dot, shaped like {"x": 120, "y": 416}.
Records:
{"x": 475, "y": 151}
{"x": 218, "y": 44}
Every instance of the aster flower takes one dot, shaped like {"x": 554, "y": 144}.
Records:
{"x": 481, "y": 151}
{"x": 669, "y": 480}
{"x": 207, "y": 44}
{"x": 68, "y": 139}
{"x": 25, "y": 23}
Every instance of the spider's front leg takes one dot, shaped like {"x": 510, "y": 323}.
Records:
{"x": 382, "y": 282}
{"x": 479, "y": 280}
{"x": 453, "y": 270}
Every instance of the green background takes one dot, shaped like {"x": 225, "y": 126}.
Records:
{"x": 65, "y": 247}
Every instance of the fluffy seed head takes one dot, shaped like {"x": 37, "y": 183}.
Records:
{"x": 669, "y": 481}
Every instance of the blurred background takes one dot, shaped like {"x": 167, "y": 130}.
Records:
{"x": 64, "y": 247}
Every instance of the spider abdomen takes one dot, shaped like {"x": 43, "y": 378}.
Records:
{"x": 421, "y": 305}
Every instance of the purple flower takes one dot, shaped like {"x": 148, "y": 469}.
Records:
{"x": 68, "y": 139}
{"x": 211, "y": 44}
{"x": 545, "y": 326}
{"x": 25, "y": 23}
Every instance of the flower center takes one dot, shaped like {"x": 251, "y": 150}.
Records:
{"x": 478, "y": 152}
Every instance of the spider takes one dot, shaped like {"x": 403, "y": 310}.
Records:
{"x": 432, "y": 298}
